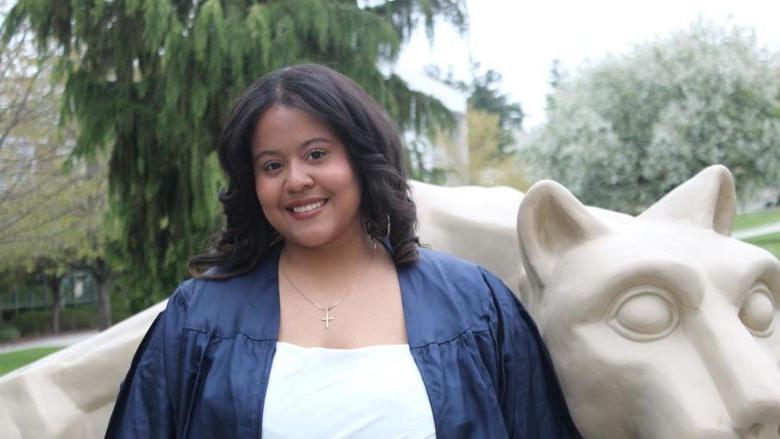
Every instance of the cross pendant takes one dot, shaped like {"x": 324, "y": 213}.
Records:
{"x": 327, "y": 318}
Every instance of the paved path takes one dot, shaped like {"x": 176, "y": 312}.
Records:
{"x": 757, "y": 231}
{"x": 60, "y": 340}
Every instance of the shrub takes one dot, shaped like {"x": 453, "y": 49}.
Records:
{"x": 71, "y": 319}
{"x": 8, "y": 332}
{"x": 33, "y": 322}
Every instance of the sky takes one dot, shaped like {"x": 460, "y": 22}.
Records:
{"x": 521, "y": 39}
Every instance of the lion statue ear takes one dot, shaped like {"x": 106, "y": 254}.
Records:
{"x": 551, "y": 221}
{"x": 707, "y": 200}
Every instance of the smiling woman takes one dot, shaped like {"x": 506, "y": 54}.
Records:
{"x": 316, "y": 313}
{"x": 334, "y": 109}
{"x": 304, "y": 180}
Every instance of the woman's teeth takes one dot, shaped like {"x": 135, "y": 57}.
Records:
{"x": 308, "y": 207}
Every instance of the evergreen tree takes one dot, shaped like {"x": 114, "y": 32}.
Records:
{"x": 151, "y": 80}
{"x": 485, "y": 97}
{"x": 486, "y": 168}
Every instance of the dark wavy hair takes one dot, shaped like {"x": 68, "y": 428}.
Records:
{"x": 373, "y": 144}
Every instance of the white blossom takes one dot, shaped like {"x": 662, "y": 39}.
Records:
{"x": 624, "y": 131}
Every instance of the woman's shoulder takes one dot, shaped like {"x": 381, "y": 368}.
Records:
{"x": 203, "y": 291}
{"x": 444, "y": 261}
{"x": 458, "y": 286}
{"x": 445, "y": 265}
{"x": 227, "y": 306}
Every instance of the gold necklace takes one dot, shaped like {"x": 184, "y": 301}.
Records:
{"x": 326, "y": 309}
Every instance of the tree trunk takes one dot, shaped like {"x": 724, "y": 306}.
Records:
{"x": 56, "y": 304}
{"x": 103, "y": 277}
{"x": 104, "y": 300}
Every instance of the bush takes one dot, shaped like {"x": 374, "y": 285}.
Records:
{"x": 71, "y": 319}
{"x": 8, "y": 332}
{"x": 120, "y": 305}
{"x": 33, "y": 322}
{"x": 119, "y": 314}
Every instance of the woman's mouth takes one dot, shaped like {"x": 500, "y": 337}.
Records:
{"x": 307, "y": 209}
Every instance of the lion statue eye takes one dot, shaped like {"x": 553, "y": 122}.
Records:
{"x": 644, "y": 314}
{"x": 758, "y": 311}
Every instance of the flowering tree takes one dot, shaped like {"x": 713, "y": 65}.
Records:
{"x": 626, "y": 130}
{"x": 51, "y": 205}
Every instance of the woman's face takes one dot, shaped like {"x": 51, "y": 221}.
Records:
{"x": 304, "y": 179}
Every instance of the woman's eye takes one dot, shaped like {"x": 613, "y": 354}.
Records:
{"x": 316, "y": 154}
{"x": 758, "y": 311}
{"x": 644, "y": 314}
{"x": 271, "y": 166}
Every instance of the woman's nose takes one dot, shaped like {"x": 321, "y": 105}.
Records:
{"x": 747, "y": 378}
{"x": 298, "y": 178}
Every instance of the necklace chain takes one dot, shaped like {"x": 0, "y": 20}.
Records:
{"x": 326, "y": 309}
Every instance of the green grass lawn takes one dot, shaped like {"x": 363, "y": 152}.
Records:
{"x": 769, "y": 242}
{"x": 755, "y": 219}
{"x": 14, "y": 360}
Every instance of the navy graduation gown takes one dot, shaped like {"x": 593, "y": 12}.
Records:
{"x": 202, "y": 369}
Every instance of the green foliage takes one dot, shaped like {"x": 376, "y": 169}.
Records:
{"x": 122, "y": 304}
{"x": 38, "y": 322}
{"x": 51, "y": 205}
{"x": 33, "y": 322}
{"x": 485, "y": 97}
{"x": 624, "y": 131}
{"x": 487, "y": 167}
{"x": 151, "y": 81}
{"x": 8, "y": 332}
{"x": 53, "y": 218}
{"x": 79, "y": 318}
{"x": 16, "y": 359}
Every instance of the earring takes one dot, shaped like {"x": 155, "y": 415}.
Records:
{"x": 387, "y": 235}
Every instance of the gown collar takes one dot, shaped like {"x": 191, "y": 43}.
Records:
{"x": 429, "y": 315}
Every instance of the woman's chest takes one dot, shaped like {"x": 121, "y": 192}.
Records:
{"x": 225, "y": 381}
{"x": 370, "y": 315}
{"x": 375, "y": 391}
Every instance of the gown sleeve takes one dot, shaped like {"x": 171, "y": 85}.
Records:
{"x": 144, "y": 407}
{"x": 532, "y": 402}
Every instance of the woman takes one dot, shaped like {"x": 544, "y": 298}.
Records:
{"x": 317, "y": 313}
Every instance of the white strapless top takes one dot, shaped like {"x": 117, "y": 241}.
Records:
{"x": 369, "y": 392}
